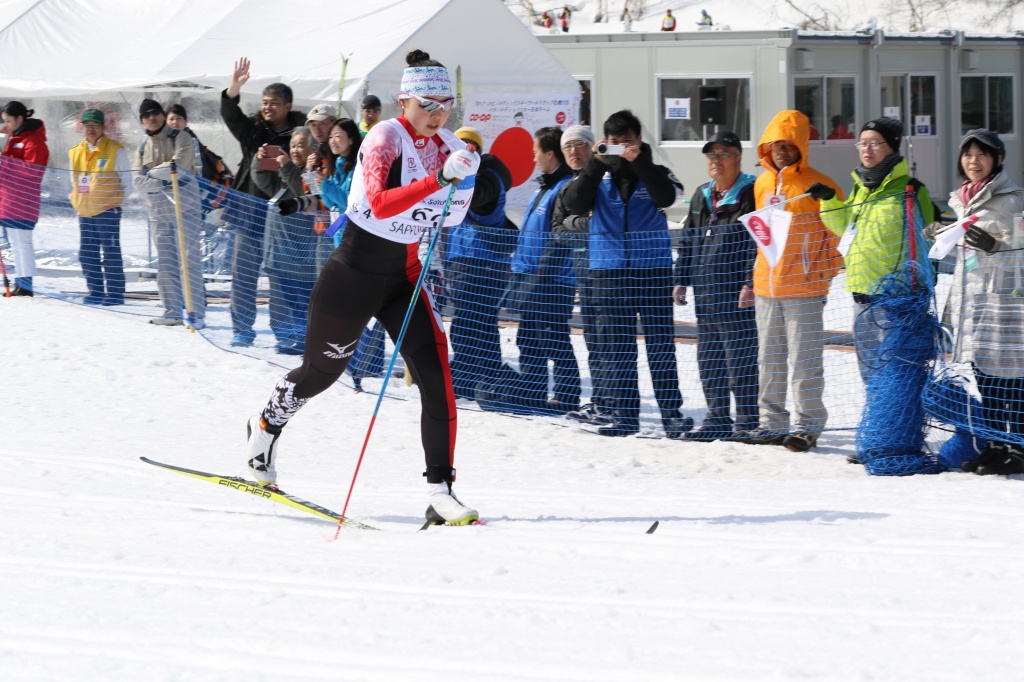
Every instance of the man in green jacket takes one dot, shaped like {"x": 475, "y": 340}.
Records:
{"x": 872, "y": 223}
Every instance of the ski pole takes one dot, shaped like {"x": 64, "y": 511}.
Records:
{"x": 7, "y": 283}
{"x": 911, "y": 235}
{"x": 417, "y": 290}
{"x": 799, "y": 196}
{"x": 182, "y": 254}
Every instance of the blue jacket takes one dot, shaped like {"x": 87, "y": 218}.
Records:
{"x": 335, "y": 187}
{"x": 483, "y": 234}
{"x": 633, "y": 234}
{"x": 716, "y": 254}
{"x": 536, "y": 229}
{"x": 627, "y": 226}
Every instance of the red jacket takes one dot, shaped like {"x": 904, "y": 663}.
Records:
{"x": 22, "y": 167}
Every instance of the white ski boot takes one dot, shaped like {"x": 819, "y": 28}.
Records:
{"x": 444, "y": 507}
{"x": 262, "y": 448}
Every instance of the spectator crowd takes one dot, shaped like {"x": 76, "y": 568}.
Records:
{"x": 593, "y": 250}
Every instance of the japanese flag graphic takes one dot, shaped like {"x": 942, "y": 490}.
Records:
{"x": 770, "y": 229}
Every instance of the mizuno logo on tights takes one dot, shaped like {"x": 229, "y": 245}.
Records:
{"x": 340, "y": 352}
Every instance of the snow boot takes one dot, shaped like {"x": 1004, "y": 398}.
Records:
{"x": 1010, "y": 461}
{"x": 262, "y": 448}
{"x": 442, "y": 505}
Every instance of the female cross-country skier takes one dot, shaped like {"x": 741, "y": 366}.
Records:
{"x": 402, "y": 179}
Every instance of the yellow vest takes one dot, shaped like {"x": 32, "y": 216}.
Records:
{"x": 95, "y": 186}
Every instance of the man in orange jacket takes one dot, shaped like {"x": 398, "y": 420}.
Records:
{"x": 790, "y": 297}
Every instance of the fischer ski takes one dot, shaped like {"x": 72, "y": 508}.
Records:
{"x": 274, "y": 494}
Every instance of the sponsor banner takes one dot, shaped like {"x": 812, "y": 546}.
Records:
{"x": 507, "y": 123}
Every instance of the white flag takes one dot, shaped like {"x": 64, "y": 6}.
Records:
{"x": 770, "y": 229}
{"x": 945, "y": 241}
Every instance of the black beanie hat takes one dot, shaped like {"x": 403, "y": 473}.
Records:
{"x": 149, "y": 105}
{"x": 889, "y": 128}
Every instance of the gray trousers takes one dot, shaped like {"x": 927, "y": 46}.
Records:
{"x": 169, "y": 273}
{"x": 791, "y": 337}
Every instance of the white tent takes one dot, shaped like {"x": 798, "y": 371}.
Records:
{"x": 83, "y": 49}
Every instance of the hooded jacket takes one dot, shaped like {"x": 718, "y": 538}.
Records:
{"x": 810, "y": 260}
{"x": 21, "y": 171}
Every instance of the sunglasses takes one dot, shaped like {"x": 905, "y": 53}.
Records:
{"x": 151, "y": 113}
{"x": 431, "y": 106}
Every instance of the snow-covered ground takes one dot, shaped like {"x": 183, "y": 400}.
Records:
{"x": 767, "y": 565}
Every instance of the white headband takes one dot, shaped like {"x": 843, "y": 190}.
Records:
{"x": 425, "y": 81}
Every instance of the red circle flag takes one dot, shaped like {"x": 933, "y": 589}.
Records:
{"x": 514, "y": 146}
{"x": 761, "y": 229}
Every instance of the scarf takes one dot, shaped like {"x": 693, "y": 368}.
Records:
{"x": 968, "y": 190}
{"x": 873, "y": 177}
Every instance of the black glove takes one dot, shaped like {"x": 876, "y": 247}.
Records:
{"x": 980, "y": 239}
{"x": 821, "y": 191}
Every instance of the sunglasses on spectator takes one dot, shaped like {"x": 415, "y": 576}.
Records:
{"x": 871, "y": 144}
{"x": 721, "y": 156}
{"x": 151, "y": 113}
{"x": 431, "y": 106}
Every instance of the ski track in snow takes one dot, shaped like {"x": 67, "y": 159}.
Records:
{"x": 767, "y": 564}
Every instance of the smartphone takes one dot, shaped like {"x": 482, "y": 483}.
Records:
{"x": 269, "y": 162}
{"x": 610, "y": 149}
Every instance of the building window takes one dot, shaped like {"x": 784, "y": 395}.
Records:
{"x": 920, "y": 117}
{"x": 986, "y": 102}
{"x": 683, "y": 124}
{"x": 830, "y": 104}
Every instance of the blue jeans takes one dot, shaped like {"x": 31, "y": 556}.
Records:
{"x": 100, "y": 255}
{"x": 289, "y": 308}
{"x": 249, "y": 216}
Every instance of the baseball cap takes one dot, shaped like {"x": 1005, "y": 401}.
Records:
{"x": 93, "y": 115}
{"x": 726, "y": 138}
{"x": 371, "y": 102}
{"x": 469, "y": 134}
{"x": 321, "y": 112}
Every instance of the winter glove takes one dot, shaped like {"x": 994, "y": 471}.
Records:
{"x": 933, "y": 230}
{"x": 160, "y": 172}
{"x": 980, "y": 239}
{"x": 821, "y": 191}
{"x": 460, "y": 165}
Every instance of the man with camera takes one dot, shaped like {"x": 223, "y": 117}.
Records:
{"x": 630, "y": 255}
{"x": 272, "y": 125}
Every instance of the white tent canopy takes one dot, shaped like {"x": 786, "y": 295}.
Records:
{"x": 91, "y": 49}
